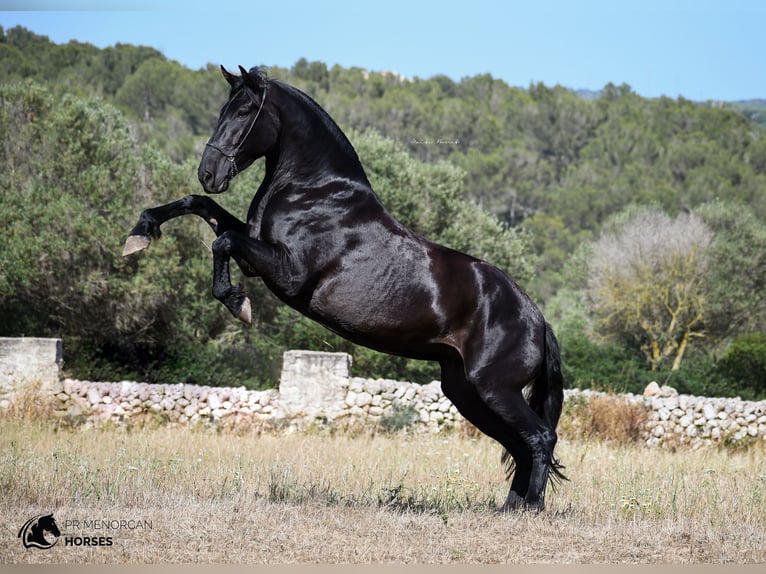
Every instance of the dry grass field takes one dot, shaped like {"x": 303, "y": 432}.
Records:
{"x": 320, "y": 497}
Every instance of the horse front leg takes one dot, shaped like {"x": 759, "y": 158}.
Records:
{"x": 148, "y": 227}
{"x": 262, "y": 258}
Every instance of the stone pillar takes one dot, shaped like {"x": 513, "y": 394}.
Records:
{"x": 314, "y": 383}
{"x": 27, "y": 361}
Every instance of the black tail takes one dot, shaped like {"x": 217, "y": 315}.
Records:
{"x": 546, "y": 398}
{"x": 551, "y": 385}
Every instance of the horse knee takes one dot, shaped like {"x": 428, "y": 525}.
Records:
{"x": 222, "y": 245}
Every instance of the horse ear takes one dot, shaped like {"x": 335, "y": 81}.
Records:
{"x": 251, "y": 81}
{"x": 229, "y": 77}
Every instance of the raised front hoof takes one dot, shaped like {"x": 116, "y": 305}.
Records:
{"x": 134, "y": 244}
{"x": 515, "y": 503}
{"x": 245, "y": 312}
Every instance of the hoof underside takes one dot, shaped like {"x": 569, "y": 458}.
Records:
{"x": 134, "y": 244}
{"x": 245, "y": 312}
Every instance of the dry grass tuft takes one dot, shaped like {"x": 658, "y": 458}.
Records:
{"x": 30, "y": 402}
{"x": 605, "y": 417}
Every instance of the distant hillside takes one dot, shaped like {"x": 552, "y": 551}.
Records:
{"x": 754, "y": 110}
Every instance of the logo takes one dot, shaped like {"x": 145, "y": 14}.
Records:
{"x": 43, "y": 532}
{"x": 32, "y": 534}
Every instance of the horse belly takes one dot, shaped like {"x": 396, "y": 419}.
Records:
{"x": 390, "y": 305}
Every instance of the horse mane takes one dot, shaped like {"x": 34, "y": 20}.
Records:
{"x": 327, "y": 121}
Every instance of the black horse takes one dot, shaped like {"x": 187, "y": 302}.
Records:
{"x": 319, "y": 237}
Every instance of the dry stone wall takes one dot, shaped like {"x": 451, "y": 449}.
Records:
{"x": 330, "y": 398}
{"x": 316, "y": 389}
{"x": 674, "y": 419}
{"x": 28, "y": 363}
{"x": 686, "y": 419}
{"x": 131, "y": 402}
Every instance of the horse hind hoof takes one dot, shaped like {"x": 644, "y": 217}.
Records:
{"x": 514, "y": 503}
{"x": 245, "y": 312}
{"x": 134, "y": 244}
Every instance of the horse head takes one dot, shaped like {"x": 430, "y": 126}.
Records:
{"x": 245, "y": 130}
{"x": 48, "y": 524}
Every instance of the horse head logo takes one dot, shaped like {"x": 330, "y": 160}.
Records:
{"x": 32, "y": 534}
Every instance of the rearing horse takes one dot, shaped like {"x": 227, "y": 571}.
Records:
{"x": 321, "y": 240}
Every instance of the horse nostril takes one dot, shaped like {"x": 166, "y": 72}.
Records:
{"x": 207, "y": 177}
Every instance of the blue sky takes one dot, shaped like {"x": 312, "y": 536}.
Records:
{"x": 699, "y": 49}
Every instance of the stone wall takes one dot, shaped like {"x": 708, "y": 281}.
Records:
{"x": 316, "y": 389}
{"x": 676, "y": 419}
{"x": 28, "y": 362}
{"x": 130, "y": 402}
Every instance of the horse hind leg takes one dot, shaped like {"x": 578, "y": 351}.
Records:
{"x": 518, "y": 469}
{"x": 500, "y": 387}
{"x": 539, "y": 441}
{"x": 517, "y": 457}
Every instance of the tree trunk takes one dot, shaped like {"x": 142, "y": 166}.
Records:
{"x": 680, "y": 352}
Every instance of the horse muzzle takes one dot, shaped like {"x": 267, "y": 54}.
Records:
{"x": 215, "y": 172}
{"x": 212, "y": 185}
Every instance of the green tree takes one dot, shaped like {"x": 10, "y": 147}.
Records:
{"x": 735, "y": 282}
{"x": 71, "y": 163}
{"x": 149, "y": 91}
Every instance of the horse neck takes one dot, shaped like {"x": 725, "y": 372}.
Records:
{"x": 310, "y": 145}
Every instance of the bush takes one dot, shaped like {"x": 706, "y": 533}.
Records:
{"x": 744, "y": 365}
{"x": 697, "y": 376}
{"x": 589, "y": 365}
{"x": 398, "y": 417}
{"x": 251, "y": 364}
{"x": 606, "y": 417}
{"x": 610, "y": 367}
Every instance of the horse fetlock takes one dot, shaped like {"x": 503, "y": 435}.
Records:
{"x": 235, "y": 300}
{"x": 542, "y": 442}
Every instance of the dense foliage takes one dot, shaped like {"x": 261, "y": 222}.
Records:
{"x": 537, "y": 180}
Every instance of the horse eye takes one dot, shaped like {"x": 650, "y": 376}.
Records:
{"x": 243, "y": 111}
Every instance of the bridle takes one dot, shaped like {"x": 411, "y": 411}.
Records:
{"x": 231, "y": 157}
